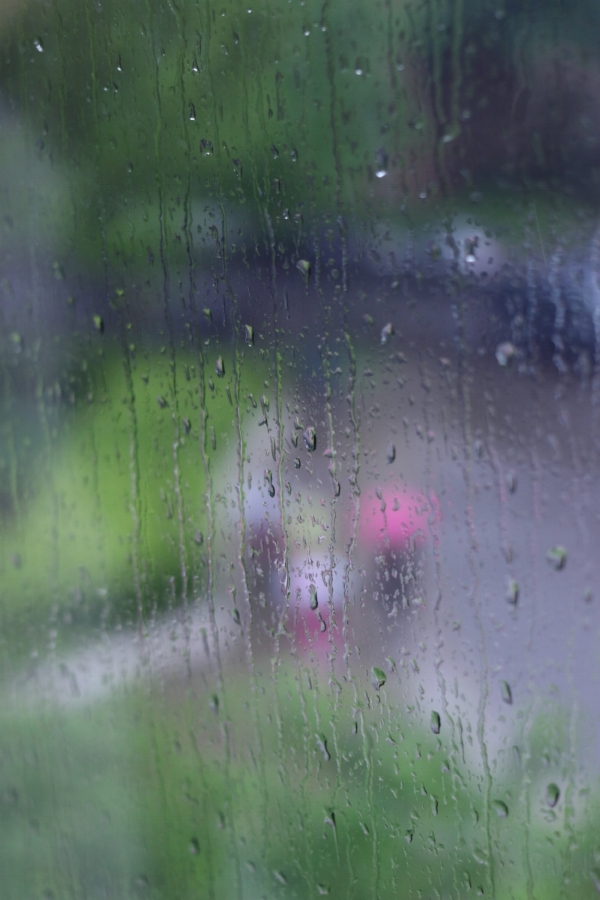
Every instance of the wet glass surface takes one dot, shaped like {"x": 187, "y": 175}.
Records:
{"x": 299, "y": 311}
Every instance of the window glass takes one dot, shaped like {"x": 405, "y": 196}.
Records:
{"x": 299, "y": 314}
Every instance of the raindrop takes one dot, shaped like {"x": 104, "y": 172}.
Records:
{"x": 192, "y": 112}
{"x": 310, "y": 439}
{"x": 280, "y": 877}
{"x": 500, "y": 808}
{"x": 386, "y": 332}
{"x": 512, "y": 591}
{"x": 557, "y": 558}
{"x": 220, "y": 367}
{"x": 436, "y": 722}
{"x": 38, "y": 45}
{"x": 194, "y": 847}
{"x": 511, "y": 481}
{"x": 206, "y": 147}
{"x": 379, "y": 677}
{"x": 505, "y": 352}
{"x": 506, "y": 692}
{"x": 391, "y": 453}
{"x": 552, "y": 795}
{"x": 381, "y": 163}
{"x": 249, "y": 334}
{"x": 99, "y": 324}
{"x": 322, "y": 745}
{"x": 303, "y": 267}
{"x": 312, "y": 597}
{"x": 161, "y": 402}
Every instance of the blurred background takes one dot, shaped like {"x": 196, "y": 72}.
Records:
{"x": 299, "y": 313}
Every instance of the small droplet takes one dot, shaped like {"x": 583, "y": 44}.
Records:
{"x": 436, "y": 722}
{"x": 391, "y": 453}
{"x": 511, "y": 481}
{"x": 506, "y": 692}
{"x": 220, "y": 367}
{"x": 99, "y": 324}
{"x": 313, "y": 601}
{"x": 280, "y": 877}
{"x": 379, "y": 677}
{"x": 192, "y": 112}
{"x": 161, "y": 402}
{"x": 38, "y": 45}
{"x": 194, "y": 847}
{"x": 552, "y": 795}
{"x": 386, "y": 332}
{"x": 249, "y": 334}
{"x": 557, "y": 558}
{"x": 500, "y": 808}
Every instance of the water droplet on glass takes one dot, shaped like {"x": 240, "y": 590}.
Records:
{"x": 249, "y": 334}
{"x": 436, "y": 722}
{"x": 512, "y": 591}
{"x": 303, "y": 267}
{"x": 192, "y": 113}
{"x": 280, "y": 877}
{"x": 98, "y": 324}
{"x": 506, "y": 692}
{"x": 220, "y": 367}
{"x": 381, "y": 163}
{"x": 310, "y": 439}
{"x": 500, "y": 808}
{"x": 379, "y": 677}
{"x": 206, "y": 147}
{"x": 552, "y": 795}
{"x": 161, "y": 402}
{"x": 557, "y": 558}
{"x": 38, "y": 45}
{"x": 511, "y": 481}
{"x": 391, "y": 453}
{"x": 505, "y": 352}
{"x": 194, "y": 847}
{"x": 386, "y": 332}
{"x": 312, "y": 597}
{"x": 322, "y": 745}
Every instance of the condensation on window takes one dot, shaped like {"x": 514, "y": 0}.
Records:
{"x": 299, "y": 314}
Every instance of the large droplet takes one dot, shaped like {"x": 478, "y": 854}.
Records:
{"x": 506, "y": 692}
{"x": 552, "y": 795}
{"x": 500, "y": 808}
{"x": 379, "y": 677}
{"x": 557, "y": 558}
{"x": 310, "y": 438}
{"x": 381, "y": 163}
{"x": 436, "y": 722}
